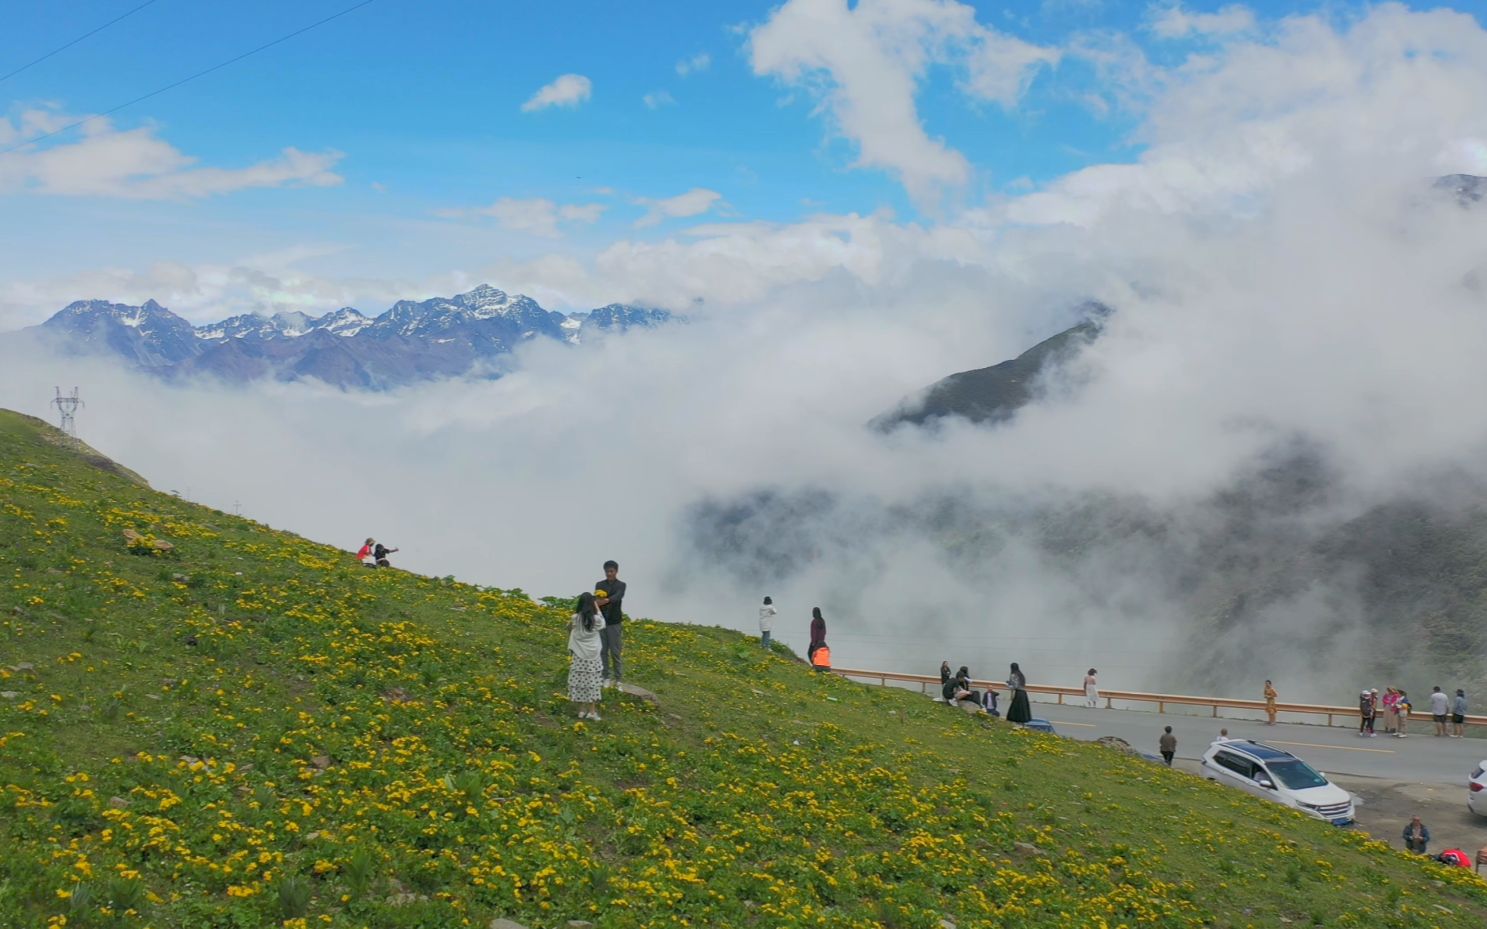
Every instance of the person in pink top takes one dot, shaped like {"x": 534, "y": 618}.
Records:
{"x": 1391, "y": 710}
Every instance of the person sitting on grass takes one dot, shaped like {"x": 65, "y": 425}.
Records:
{"x": 380, "y": 553}
{"x": 963, "y": 685}
{"x": 1416, "y": 836}
{"x": 958, "y": 688}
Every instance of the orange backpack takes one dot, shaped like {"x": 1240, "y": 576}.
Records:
{"x": 822, "y": 658}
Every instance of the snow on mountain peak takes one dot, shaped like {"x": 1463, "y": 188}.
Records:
{"x": 347, "y": 321}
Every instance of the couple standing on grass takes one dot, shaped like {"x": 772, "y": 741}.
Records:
{"x": 595, "y": 641}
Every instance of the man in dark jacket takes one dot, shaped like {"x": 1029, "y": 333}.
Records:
{"x": 610, "y": 640}
{"x": 1167, "y": 744}
{"x": 1416, "y": 836}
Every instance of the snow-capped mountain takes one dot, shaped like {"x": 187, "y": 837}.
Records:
{"x": 148, "y": 336}
{"x": 469, "y": 333}
{"x": 347, "y": 321}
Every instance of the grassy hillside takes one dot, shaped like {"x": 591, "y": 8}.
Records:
{"x": 252, "y": 730}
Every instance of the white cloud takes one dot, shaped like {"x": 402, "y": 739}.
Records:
{"x": 658, "y": 98}
{"x": 538, "y": 216}
{"x": 567, "y": 90}
{"x": 136, "y": 164}
{"x": 1227, "y": 126}
{"x": 1175, "y": 22}
{"x": 207, "y": 292}
{"x": 698, "y": 62}
{"x": 694, "y": 202}
{"x": 865, "y": 64}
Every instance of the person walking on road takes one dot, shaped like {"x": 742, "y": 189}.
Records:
{"x": 1270, "y": 697}
{"x": 1440, "y": 705}
{"x": 1091, "y": 689}
{"x": 1458, "y": 714}
{"x": 766, "y": 620}
{"x": 1018, "y": 710}
{"x": 1168, "y": 745}
{"x": 610, "y": 595}
{"x": 1416, "y": 836}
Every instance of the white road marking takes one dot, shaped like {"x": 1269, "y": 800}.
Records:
{"x": 1340, "y": 748}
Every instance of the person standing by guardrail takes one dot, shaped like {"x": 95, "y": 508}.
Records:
{"x": 1091, "y": 689}
{"x": 1391, "y": 710}
{"x": 1458, "y": 715}
{"x": 1018, "y": 711}
{"x": 1270, "y": 697}
{"x": 1439, "y": 705}
{"x": 1367, "y": 703}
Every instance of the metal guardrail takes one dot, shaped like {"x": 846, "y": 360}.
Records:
{"x": 1132, "y": 696}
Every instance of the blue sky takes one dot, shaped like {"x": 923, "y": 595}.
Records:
{"x": 417, "y": 111}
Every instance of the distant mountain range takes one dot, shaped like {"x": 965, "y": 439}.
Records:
{"x": 471, "y": 333}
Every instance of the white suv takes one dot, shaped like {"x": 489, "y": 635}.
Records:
{"x": 1476, "y": 790}
{"x": 1269, "y": 772}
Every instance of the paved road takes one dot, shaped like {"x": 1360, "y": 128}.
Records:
{"x": 1421, "y": 758}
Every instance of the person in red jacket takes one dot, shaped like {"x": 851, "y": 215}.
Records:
{"x": 364, "y": 554}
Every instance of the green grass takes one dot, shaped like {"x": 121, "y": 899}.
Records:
{"x": 252, "y": 730}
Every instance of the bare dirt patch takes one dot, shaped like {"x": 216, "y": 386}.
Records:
{"x": 1385, "y": 807}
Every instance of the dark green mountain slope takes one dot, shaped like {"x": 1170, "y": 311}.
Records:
{"x": 992, "y": 395}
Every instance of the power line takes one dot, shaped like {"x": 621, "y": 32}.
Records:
{"x": 186, "y": 80}
{"x": 63, "y": 48}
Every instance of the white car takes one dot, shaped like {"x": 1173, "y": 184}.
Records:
{"x": 1476, "y": 790}
{"x": 1269, "y": 772}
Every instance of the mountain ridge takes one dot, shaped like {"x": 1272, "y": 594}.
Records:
{"x": 413, "y": 340}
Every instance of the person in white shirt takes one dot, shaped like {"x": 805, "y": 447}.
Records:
{"x": 585, "y": 681}
{"x": 1440, "y": 705}
{"x": 1091, "y": 689}
{"x": 766, "y": 621}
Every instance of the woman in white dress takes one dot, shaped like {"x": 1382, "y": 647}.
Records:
{"x": 1091, "y": 689}
{"x": 585, "y": 674}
